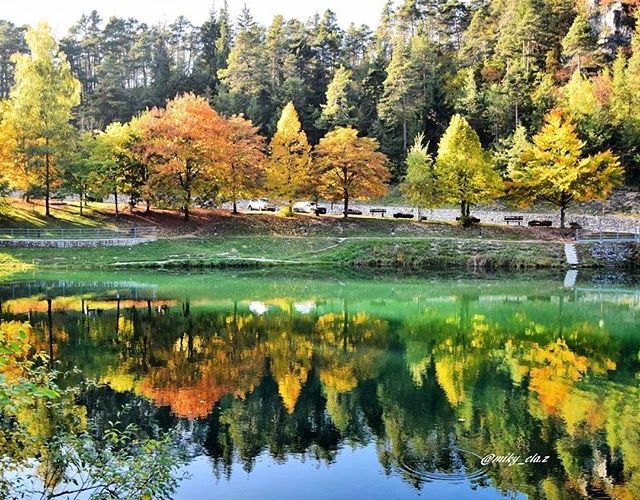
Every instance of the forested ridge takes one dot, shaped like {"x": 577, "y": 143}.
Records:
{"x": 499, "y": 63}
{"x": 459, "y": 102}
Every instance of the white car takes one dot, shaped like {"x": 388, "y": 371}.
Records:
{"x": 261, "y": 205}
{"x": 305, "y": 207}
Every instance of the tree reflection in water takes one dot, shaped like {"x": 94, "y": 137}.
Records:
{"x": 434, "y": 382}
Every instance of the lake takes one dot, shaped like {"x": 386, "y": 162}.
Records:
{"x": 290, "y": 384}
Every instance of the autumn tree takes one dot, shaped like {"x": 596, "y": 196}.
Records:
{"x": 143, "y": 160}
{"x": 350, "y": 167}
{"x": 80, "y": 173}
{"x": 625, "y": 106}
{"x": 467, "y": 176}
{"x": 113, "y": 153}
{"x": 582, "y": 102}
{"x": 241, "y": 173}
{"x": 553, "y": 168}
{"x": 421, "y": 185}
{"x": 189, "y": 141}
{"x": 40, "y": 106}
{"x": 7, "y": 157}
{"x": 288, "y": 168}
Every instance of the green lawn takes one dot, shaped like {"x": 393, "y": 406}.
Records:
{"x": 18, "y": 214}
{"x": 408, "y": 252}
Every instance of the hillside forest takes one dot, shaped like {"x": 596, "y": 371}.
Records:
{"x": 499, "y": 91}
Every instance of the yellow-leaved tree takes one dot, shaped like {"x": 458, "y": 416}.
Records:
{"x": 554, "y": 169}
{"x": 288, "y": 169}
{"x": 350, "y": 167}
{"x": 466, "y": 173}
{"x": 7, "y": 159}
{"x": 39, "y": 109}
{"x": 113, "y": 158}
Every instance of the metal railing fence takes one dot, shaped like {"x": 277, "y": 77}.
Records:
{"x": 78, "y": 234}
{"x": 583, "y": 236}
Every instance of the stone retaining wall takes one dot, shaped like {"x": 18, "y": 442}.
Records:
{"x": 610, "y": 254}
{"x": 608, "y": 223}
{"x": 43, "y": 243}
{"x": 491, "y": 215}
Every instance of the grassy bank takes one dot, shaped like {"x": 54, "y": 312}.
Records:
{"x": 208, "y": 223}
{"x": 407, "y": 252}
{"x": 216, "y": 238}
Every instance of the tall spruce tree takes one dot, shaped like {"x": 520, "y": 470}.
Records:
{"x": 340, "y": 109}
{"x": 246, "y": 74}
{"x": 580, "y": 46}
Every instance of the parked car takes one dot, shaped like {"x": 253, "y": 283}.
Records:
{"x": 305, "y": 207}
{"x": 261, "y": 205}
{"x": 353, "y": 211}
{"x": 540, "y": 223}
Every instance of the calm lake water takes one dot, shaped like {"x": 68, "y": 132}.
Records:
{"x": 327, "y": 386}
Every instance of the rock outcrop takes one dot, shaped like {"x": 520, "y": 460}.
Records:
{"x": 612, "y": 21}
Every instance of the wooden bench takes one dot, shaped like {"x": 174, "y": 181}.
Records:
{"x": 400, "y": 215}
{"x": 513, "y": 218}
{"x": 380, "y": 211}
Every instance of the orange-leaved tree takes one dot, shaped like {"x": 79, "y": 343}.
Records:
{"x": 241, "y": 174}
{"x": 189, "y": 143}
{"x": 350, "y": 167}
{"x": 7, "y": 147}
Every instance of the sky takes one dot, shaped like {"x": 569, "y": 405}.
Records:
{"x": 63, "y": 13}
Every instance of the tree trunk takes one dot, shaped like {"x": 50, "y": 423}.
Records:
{"x": 405, "y": 132}
{"x": 345, "y": 193}
{"x": 235, "y": 207}
{"x": 81, "y": 197}
{"x": 47, "y": 180}
{"x": 115, "y": 197}
{"x": 463, "y": 209}
{"x": 562, "y": 215}
{"x": 187, "y": 204}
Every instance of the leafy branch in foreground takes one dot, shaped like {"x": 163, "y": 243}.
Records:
{"x": 51, "y": 450}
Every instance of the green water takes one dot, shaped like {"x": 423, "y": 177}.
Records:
{"x": 329, "y": 386}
